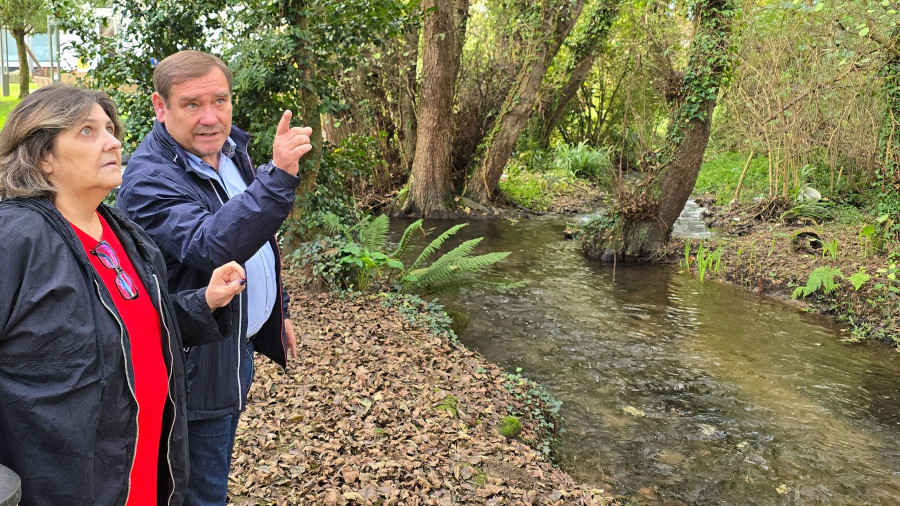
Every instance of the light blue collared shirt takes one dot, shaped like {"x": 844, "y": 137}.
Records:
{"x": 262, "y": 287}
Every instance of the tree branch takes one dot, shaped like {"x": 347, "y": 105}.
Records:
{"x": 808, "y": 92}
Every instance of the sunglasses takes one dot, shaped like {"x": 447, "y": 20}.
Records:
{"x": 124, "y": 283}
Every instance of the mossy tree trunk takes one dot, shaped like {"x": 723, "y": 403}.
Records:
{"x": 22, "y": 18}
{"x": 408, "y": 120}
{"x": 24, "y": 66}
{"x": 429, "y": 184}
{"x": 640, "y": 222}
{"x": 556, "y": 19}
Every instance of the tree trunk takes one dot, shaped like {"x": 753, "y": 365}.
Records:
{"x": 309, "y": 164}
{"x": 38, "y": 70}
{"x": 408, "y": 120}
{"x": 520, "y": 102}
{"x": 647, "y": 212}
{"x": 429, "y": 184}
{"x": 586, "y": 54}
{"x": 24, "y": 67}
{"x": 890, "y": 123}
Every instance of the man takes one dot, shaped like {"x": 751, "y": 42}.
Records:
{"x": 192, "y": 187}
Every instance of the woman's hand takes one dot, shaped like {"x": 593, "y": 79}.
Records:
{"x": 226, "y": 282}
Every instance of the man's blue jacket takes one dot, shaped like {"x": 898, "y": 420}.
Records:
{"x": 198, "y": 228}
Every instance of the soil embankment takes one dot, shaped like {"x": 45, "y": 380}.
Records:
{"x": 769, "y": 255}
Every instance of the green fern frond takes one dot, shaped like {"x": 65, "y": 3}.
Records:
{"x": 461, "y": 271}
{"x": 435, "y": 245}
{"x": 332, "y": 224}
{"x": 407, "y": 236}
{"x": 374, "y": 234}
{"x": 860, "y": 278}
{"x": 822, "y": 278}
{"x": 448, "y": 260}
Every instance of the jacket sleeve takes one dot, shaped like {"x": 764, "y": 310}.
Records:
{"x": 15, "y": 255}
{"x": 197, "y": 323}
{"x": 173, "y": 212}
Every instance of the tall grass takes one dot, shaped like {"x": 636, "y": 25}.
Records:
{"x": 582, "y": 161}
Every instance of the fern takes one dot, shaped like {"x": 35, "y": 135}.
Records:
{"x": 445, "y": 265}
{"x": 435, "y": 245}
{"x": 332, "y": 224}
{"x": 373, "y": 234}
{"x": 860, "y": 278}
{"x": 821, "y": 278}
{"x": 446, "y": 276}
{"x": 362, "y": 260}
{"x": 416, "y": 226}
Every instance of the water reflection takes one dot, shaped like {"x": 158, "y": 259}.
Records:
{"x": 680, "y": 392}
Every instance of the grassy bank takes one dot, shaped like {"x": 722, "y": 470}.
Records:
{"x": 8, "y": 103}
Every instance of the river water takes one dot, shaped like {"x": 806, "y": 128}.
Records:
{"x": 678, "y": 392}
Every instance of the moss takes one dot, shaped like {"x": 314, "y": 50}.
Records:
{"x": 451, "y": 404}
{"x": 509, "y": 427}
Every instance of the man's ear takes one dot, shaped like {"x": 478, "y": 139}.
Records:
{"x": 159, "y": 105}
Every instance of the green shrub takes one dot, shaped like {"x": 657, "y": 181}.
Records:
{"x": 528, "y": 189}
{"x": 534, "y": 178}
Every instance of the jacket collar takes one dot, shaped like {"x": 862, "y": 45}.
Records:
{"x": 171, "y": 150}
{"x": 44, "y": 207}
{"x": 114, "y": 217}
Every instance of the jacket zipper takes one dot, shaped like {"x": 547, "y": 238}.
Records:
{"x": 239, "y": 338}
{"x": 162, "y": 318}
{"x": 130, "y": 381}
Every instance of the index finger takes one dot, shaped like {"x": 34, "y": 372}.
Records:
{"x": 285, "y": 123}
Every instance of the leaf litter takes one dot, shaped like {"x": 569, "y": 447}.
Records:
{"x": 361, "y": 417}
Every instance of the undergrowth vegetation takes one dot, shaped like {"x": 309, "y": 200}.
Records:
{"x": 720, "y": 173}
{"x": 535, "y": 178}
{"x": 357, "y": 256}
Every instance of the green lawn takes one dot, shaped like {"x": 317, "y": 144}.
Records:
{"x": 7, "y": 103}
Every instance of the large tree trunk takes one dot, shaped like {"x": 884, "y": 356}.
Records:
{"x": 646, "y": 212}
{"x": 585, "y": 54}
{"x": 520, "y": 102}
{"x": 24, "y": 66}
{"x": 429, "y": 185}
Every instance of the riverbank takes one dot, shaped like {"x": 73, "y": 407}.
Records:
{"x": 854, "y": 281}
{"x": 383, "y": 407}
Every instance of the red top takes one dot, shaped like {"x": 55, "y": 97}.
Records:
{"x": 151, "y": 381}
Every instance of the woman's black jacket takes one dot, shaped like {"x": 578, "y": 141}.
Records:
{"x": 68, "y": 414}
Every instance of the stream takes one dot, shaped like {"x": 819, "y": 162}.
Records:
{"x": 680, "y": 392}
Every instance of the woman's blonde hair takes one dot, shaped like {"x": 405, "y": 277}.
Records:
{"x": 30, "y": 133}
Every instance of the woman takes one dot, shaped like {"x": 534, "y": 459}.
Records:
{"x": 91, "y": 349}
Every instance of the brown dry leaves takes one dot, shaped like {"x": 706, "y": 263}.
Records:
{"x": 356, "y": 420}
